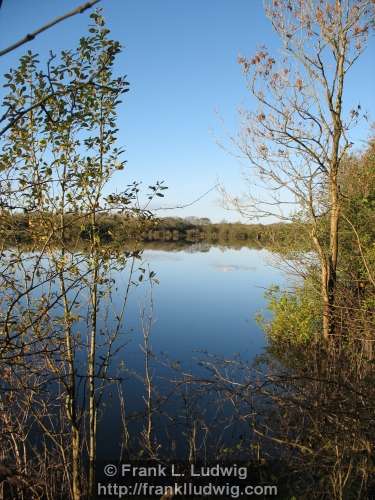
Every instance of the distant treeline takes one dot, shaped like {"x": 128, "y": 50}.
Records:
{"x": 171, "y": 229}
{"x": 118, "y": 228}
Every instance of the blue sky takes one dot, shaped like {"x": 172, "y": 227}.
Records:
{"x": 181, "y": 60}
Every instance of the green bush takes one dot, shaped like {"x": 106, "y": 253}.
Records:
{"x": 295, "y": 317}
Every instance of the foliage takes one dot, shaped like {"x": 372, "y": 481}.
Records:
{"x": 56, "y": 160}
{"x": 127, "y": 227}
{"x": 324, "y": 392}
{"x": 295, "y": 316}
{"x": 297, "y": 138}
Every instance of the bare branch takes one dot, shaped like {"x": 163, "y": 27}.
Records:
{"x": 30, "y": 36}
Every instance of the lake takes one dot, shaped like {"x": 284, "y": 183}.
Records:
{"x": 206, "y": 301}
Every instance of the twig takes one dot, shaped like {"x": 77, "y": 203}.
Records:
{"x": 30, "y": 36}
{"x": 190, "y": 203}
{"x": 371, "y": 277}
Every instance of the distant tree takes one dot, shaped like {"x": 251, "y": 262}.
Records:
{"x": 299, "y": 134}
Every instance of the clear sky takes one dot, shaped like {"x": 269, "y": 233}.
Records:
{"x": 181, "y": 60}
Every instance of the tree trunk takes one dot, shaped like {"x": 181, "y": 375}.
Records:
{"x": 326, "y": 301}
{"x": 328, "y": 284}
{"x": 91, "y": 377}
{"x": 71, "y": 398}
{"x": 76, "y": 469}
{"x": 333, "y": 248}
{"x": 329, "y": 269}
{"x": 72, "y": 403}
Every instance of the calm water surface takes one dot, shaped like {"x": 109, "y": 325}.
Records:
{"x": 205, "y": 301}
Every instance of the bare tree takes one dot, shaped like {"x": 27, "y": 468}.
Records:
{"x": 299, "y": 134}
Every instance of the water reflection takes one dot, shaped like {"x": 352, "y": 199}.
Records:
{"x": 182, "y": 370}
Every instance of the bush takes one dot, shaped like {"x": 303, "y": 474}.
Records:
{"x": 296, "y": 317}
